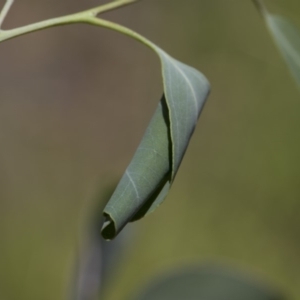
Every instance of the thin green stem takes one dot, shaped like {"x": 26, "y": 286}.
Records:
{"x": 119, "y": 28}
{"x": 5, "y": 11}
{"x": 70, "y": 19}
{"x": 110, "y": 6}
{"x": 81, "y": 17}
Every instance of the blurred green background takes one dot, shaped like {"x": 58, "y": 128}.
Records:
{"x": 75, "y": 102}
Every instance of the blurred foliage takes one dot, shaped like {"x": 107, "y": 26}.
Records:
{"x": 75, "y": 102}
{"x": 209, "y": 282}
{"x": 287, "y": 38}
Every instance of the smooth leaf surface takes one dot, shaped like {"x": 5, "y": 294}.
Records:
{"x": 208, "y": 283}
{"x": 287, "y": 38}
{"x": 152, "y": 170}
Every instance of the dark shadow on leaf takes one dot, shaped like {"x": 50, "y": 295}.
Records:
{"x": 145, "y": 208}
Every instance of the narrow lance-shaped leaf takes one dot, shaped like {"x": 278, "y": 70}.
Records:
{"x": 152, "y": 170}
{"x": 286, "y": 37}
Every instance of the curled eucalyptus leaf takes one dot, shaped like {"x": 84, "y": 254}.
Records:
{"x": 152, "y": 170}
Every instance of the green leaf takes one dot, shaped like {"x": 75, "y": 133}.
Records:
{"x": 208, "y": 283}
{"x": 152, "y": 170}
{"x": 287, "y": 39}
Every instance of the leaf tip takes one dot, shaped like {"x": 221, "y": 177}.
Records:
{"x": 108, "y": 230}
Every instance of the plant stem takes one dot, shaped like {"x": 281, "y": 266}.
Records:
{"x": 9, "y": 34}
{"x": 5, "y": 10}
{"x": 110, "y": 6}
{"x": 119, "y": 28}
{"x": 260, "y": 7}
{"x": 81, "y": 17}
